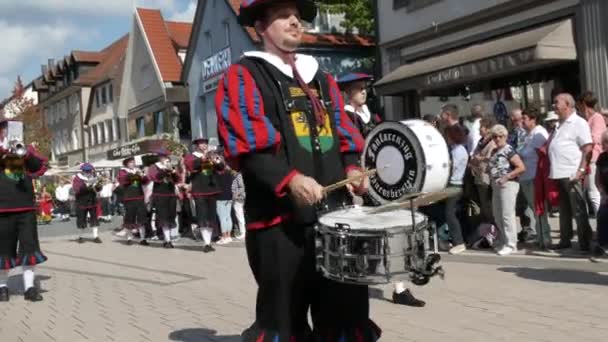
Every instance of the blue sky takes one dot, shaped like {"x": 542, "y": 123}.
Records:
{"x": 31, "y": 31}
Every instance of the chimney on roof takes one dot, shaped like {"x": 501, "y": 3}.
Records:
{"x": 43, "y": 69}
{"x": 51, "y": 63}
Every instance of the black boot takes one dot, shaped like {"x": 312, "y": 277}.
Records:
{"x": 407, "y": 298}
{"x": 168, "y": 245}
{"x": 4, "y": 294}
{"x": 80, "y": 240}
{"x": 144, "y": 243}
{"x": 97, "y": 240}
{"x": 129, "y": 242}
{"x": 208, "y": 248}
{"x": 32, "y": 294}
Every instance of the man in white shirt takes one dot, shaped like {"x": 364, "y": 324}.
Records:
{"x": 569, "y": 154}
{"x": 62, "y": 195}
{"x": 536, "y": 137}
{"x": 473, "y": 127}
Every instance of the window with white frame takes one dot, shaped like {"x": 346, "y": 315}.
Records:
{"x": 104, "y": 98}
{"x": 141, "y": 127}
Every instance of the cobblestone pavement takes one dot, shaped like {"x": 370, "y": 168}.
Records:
{"x": 114, "y": 292}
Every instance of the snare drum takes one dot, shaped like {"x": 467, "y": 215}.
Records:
{"x": 411, "y": 156}
{"x": 356, "y": 247}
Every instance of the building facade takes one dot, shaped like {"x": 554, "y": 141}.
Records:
{"x": 218, "y": 40}
{"x": 153, "y": 100}
{"x": 500, "y": 53}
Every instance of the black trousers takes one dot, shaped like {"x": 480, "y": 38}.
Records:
{"x": 573, "y": 205}
{"x": 282, "y": 259}
{"x": 136, "y": 214}
{"x": 206, "y": 211}
{"x": 81, "y": 217}
{"x": 166, "y": 211}
{"x": 19, "y": 240}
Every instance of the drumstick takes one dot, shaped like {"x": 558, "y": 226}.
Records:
{"x": 346, "y": 181}
{"x": 405, "y": 200}
{"x": 422, "y": 200}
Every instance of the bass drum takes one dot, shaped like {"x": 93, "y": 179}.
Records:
{"x": 410, "y": 156}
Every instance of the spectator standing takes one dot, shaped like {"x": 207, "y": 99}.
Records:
{"x": 224, "y": 204}
{"x": 518, "y": 133}
{"x": 62, "y": 195}
{"x": 449, "y": 116}
{"x": 536, "y": 137}
{"x": 505, "y": 168}
{"x": 479, "y": 168}
{"x": 586, "y": 105}
{"x": 456, "y": 138}
{"x": 238, "y": 199}
{"x": 569, "y": 155}
{"x": 601, "y": 180}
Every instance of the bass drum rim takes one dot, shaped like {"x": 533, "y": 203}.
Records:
{"x": 416, "y": 145}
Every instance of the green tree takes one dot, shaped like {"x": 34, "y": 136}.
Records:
{"x": 358, "y": 14}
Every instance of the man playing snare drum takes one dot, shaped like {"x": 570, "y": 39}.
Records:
{"x": 277, "y": 130}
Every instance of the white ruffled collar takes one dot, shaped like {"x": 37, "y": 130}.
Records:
{"x": 364, "y": 113}
{"x": 307, "y": 65}
{"x": 198, "y": 154}
{"x": 83, "y": 177}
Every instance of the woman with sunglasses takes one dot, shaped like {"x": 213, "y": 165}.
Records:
{"x": 505, "y": 167}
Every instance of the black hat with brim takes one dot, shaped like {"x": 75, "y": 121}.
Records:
{"x": 251, "y": 10}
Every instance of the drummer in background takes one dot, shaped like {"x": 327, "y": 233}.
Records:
{"x": 355, "y": 87}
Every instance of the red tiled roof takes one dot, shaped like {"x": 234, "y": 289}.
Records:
{"x": 87, "y": 56}
{"x": 109, "y": 65}
{"x": 179, "y": 33}
{"x": 313, "y": 38}
{"x": 159, "y": 36}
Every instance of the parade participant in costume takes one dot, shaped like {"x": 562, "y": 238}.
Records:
{"x": 355, "y": 87}
{"x": 86, "y": 186}
{"x": 203, "y": 166}
{"x": 18, "y": 218}
{"x": 283, "y": 124}
{"x": 132, "y": 180}
{"x": 164, "y": 196}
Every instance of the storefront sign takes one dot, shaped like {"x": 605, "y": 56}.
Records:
{"x": 216, "y": 64}
{"x": 481, "y": 69}
{"x": 142, "y": 147}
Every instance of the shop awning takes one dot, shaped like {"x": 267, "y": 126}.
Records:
{"x": 542, "y": 46}
{"x": 107, "y": 164}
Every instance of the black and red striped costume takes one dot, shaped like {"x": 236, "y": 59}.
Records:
{"x": 136, "y": 214}
{"x": 19, "y": 245}
{"x": 86, "y": 201}
{"x": 269, "y": 133}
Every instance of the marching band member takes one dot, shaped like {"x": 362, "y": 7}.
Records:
{"x": 86, "y": 186}
{"x": 282, "y": 123}
{"x": 355, "y": 87}
{"x": 202, "y": 166}
{"x": 18, "y": 218}
{"x": 164, "y": 198}
{"x": 132, "y": 180}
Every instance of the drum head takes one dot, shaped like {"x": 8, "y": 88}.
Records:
{"x": 395, "y": 151}
{"x": 357, "y": 218}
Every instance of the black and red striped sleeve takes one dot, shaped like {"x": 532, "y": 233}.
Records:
{"x": 251, "y": 142}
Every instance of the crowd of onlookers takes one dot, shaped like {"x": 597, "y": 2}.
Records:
{"x": 515, "y": 175}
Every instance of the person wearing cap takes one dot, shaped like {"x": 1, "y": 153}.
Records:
{"x": 202, "y": 168}
{"x": 86, "y": 187}
{"x": 282, "y": 123}
{"x": 164, "y": 198}
{"x": 18, "y": 226}
{"x": 551, "y": 122}
{"x": 355, "y": 87}
{"x": 132, "y": 181}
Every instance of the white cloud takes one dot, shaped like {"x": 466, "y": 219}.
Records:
{"x": 24, "y": 43}
{"x": 87, "y": 7}
{"x": 186, "y": 15}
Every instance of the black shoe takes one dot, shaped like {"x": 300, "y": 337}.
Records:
{"x": 129, "y": 242}
{"x": 80, "y": 240}
{"x": 4, "y": 294}
{"x": 407, "y": 298}
{"x": 97, "y": 240}
{"x": 144, "y": 243}
{"x": 117, "y": 229}
{"x": 522, "y": 236}
{"x": 168, "y": 245}
{"x": 32, "y": 295}
{"x": 563, "y": 245}
{"x": 208, "y": 248}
